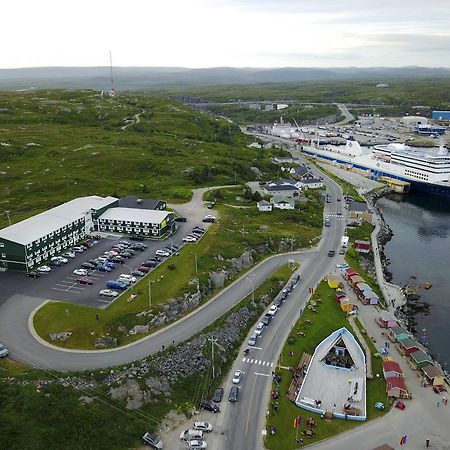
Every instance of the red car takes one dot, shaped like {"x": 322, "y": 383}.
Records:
{"x": 83, "y": 280}
{"x": 400, "y": 405}
{"x": 144, "y": 269}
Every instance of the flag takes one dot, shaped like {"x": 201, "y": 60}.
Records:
{"x": 297, "y": 421}
{"x": 311, "y": 290}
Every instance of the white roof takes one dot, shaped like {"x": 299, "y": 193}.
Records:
{"x": 135, "y": 215}
{"x": 28, "y": 230}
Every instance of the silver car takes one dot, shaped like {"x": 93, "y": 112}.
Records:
{"x": 3, "y": 351}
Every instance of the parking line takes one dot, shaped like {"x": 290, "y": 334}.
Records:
{"x": 66, "y": 290}
{"x": 262, "y": 374}
{"x": 104, "y": 301}
{"x": 257, "y": 348}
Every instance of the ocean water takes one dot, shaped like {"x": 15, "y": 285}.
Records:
{"x": 420, "y": 247}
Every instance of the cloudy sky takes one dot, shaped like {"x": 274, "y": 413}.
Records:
{"x": 208, "y": 33}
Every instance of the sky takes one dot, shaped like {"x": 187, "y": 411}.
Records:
{"x": 212, "y": 33}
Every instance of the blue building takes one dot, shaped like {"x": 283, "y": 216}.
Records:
{"x": 441, "y": 115}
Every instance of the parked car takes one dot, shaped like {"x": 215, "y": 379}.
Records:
{"x": 252, "y": 340}
{"x": 102, "y": 259}
{"x": 113, "y": 284}
{"x": 180, "y": 219}
{"x": 209, "y": 406}
{"x": 152, "y": 440}
{"x": 143, "y": 270}
{"x": 33, "y": 274}
{"x": 78, "y": 249}
{"x": 272, "y": 310}
{"x": 139, "y": 248}
{"x": 125, "y": 276}
{"x": 138, "y": 273}
{"x": 149, "y": 264}
{"x": 83, "y": 280}
{"x": 70, "y": 255}
{"x": 234, "y": 392}
{"x": 127, "y": 283}
{"x": 266, "y": 320}
{"x": 44, "y": 269}
{"x": 189, "y": 239}
{"x": 210, "y": 219}
{"x": 400, "y": 405}
{"x": 110, "y": 264}
{"x": 195, "y": 444}
{"x": 259, "y": 328}
{"x": 162, "y": 253}
{"x": 81, "y": 272}
{"x": 103, "y": 268}
{"x": 187, "y": 435}
{"x": 117, "y": 259}
{"x": 94, "y": 262}
{"x": 108, "y": 293}
{"x": 88, "y": 265}
{"x": 237, "y": 377}
{"x": 126, "y": 243}
{"x": 56, "y": 263}
{"x": 3, "y": 351}
{"x": 218, "y": 394}
{"x": 126, "y": 255}
{"x": 198, "y": 230}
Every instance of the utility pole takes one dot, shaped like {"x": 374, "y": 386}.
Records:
{"x": 9, "y": 218}
{"x": 196, "y": 265}
{"x": 213, "y": 341}
{"x": 149, "y": 293}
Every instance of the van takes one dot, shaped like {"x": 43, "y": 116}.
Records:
{"x": 126, "y": 277}
{"x": 252, "y": 340}
{"x": 188, "y": 435}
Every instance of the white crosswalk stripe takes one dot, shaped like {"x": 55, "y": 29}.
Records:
{"x": 257, "y": 361}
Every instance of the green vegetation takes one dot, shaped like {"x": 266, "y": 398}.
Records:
{"x": 243, "y": 114}
{"x": 48, "y": 413}
{"x": 360, "y": 233}
{"x": 328, "y": 319}
{"x": 57, "y": 145}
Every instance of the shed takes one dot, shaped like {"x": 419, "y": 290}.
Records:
{"x": 369, "y": 296}
{"x": 391, "y": 369}
{"x": 386, "y": 320}
{"x": 354, "y": 279}
{"x": 362, "y": 246}
{"x": 398, "y": 333}
{"x": 420, "y": 359}
{"x": 334, "y": 283}
{"x": 346, "y": 305}
{"x": 280, "y": 202}
{"x": 409, "y": 345}
{"x": 396, "y": 387}
{"x": 433, "y": 375}
{"x": 361, "y": 286}
{"x": 350, "y": 272}
{"x": 263, "y": 206}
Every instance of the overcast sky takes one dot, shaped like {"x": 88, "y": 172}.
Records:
{"x": 209, "y": 33}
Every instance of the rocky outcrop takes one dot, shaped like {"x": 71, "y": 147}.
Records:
{"x": 103, "y": 342}
{"x": 61, "y": 336}
{"x": 218, "y": 278}
{"x": 242, "y": 262}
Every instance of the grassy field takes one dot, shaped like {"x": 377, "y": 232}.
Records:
{"x": 52, "y": 417}
{"x": 57, "y": 145}
{"x": 328, "y": 318}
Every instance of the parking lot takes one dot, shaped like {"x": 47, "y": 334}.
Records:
{"x": 60, "y": 283}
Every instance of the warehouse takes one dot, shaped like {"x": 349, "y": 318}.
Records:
{"x": 441, "y": 115}
{"x": 144, "y": 222}
{"x": 35, "y": 240}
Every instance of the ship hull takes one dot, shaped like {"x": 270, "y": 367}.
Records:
{"x": 434, "y": 189}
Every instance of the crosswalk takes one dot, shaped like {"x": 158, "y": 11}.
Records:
{"x": 257, "y": 361}
{"x": 339, "y": 216}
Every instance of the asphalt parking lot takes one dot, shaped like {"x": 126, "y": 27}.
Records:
{"x": 60, "y": 283}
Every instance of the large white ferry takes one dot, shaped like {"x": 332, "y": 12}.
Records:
{"x": 426, "y": 169}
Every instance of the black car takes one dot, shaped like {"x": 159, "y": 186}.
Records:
{"x": 137, "y": 273}
{"x": 278, "y": 302}
{"x": 266, "y": 320}
{"x": 198, "y": 230}
{"x": 218, "y": 394}
{"x": 93, "y": 261}
{"x": 55, "y": 263}
{"x": 88, "y": 265}
{"x": 331, "y": 252}
{"x": 33, "y": 274}
{"x": 234, "y": 393}
{"x": 209, "y": 406}
{"x": 126, "y": 255}
{"x": 117, "y": 260}
{"x": 140, "y": 248}
{"x": 149, "y": 264}
{"x": 180, "y": 219}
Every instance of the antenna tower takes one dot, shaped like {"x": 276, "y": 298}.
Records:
{"x": 113, "y": 90}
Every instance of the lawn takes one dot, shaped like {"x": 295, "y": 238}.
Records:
{"x": 328, "y": 318}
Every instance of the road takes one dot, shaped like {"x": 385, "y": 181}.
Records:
{"x": 240, "y": 425}
{"x": 348, "y": 116}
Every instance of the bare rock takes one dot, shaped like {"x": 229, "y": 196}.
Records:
{"x": 218, "y": 278}
{"x": 61, "y": 336}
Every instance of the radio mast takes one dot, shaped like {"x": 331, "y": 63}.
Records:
{"x": 112, "y": 92}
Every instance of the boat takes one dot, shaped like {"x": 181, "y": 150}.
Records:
{"x": 425, "y": 169}
{"x": 427, "y": 285}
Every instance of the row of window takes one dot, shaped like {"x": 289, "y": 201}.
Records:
{"x": 128, "y": 229}
{"x": 127, "y": 222}
{"x": 419, "y": 175}
{"x": 56, "y": 232}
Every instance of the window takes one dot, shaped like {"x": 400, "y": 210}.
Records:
{"x": 3, "y": 255}
{"x": 2, "y": 244}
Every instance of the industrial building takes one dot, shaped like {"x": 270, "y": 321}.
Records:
{"x": 441, "y": 115}
{"x": 33, "y": 241}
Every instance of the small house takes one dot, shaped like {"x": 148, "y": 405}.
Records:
{"x": 419, "y": 358}
{"x": 391, "y": 369}
{"x": 311, "y": 183}
{"x": 409, "y": 346}
{"x": 282, "y": 202}
{"x": 386, "y": 320}
{"x": 362, "y": 246}
{"x": 264, "y": 206}
{"x": 285, "y": 188}
{"x": 396, "y": 387}
{"x": 433, "y": 375}
{"x": 368, "y": 297}
{"x": 349, "y": 273}
{"x": 355, "y": 279}
{"x": 398, "y": 333}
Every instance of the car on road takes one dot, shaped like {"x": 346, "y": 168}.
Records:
{"x": 203, "y": 426}
{"x": 259, "y": 328}
{"x": 278, "y": 301}
{"x": 81, "y": 272}
{"x": 3, "y": 351}
{"x": 342, "y": 251}
{"x": 272, "y": 310}
{"x": 108, "y": 293}
{"x": 400, "y": 405}
{"x": 237, "y": 377}
{"x": 162, "y": 253}
{"x": 218, "y": 394}
{"x": 266, "y": 320}
{"x": 83, "y": 280}
{"x": 152, "y": 440}
{"x": 44, "y": 269}
{"x": 331, "y": 253}
{"x": 234, "y": 393}
{"x": 342, "y": 266}
{"x": 209, "y": 406}
{"x": 195, "y": 444}
{"x": 33, "y": 274}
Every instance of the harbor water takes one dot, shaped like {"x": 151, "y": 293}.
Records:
{"x": 419, "y": 253}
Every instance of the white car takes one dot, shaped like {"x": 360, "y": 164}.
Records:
{"x": 162, "y": 253}
{"x": 70, "y": 255}
{"x": 81, "y": 272}
{"x": 197, "y": 444}
{"x": 203, "y": 426}
{"x": 44, "y": 269}
{"x": 272, "y": 310}
{"x": 237, "y": 377}
{"x": 124, "y": 276}
{"x": 3, "y": 351}
{"x": 189, "y": 239}
{"x": 78, "y": 249}
{"x": 108, "y": 293}
{"x": 102, "y": 259}
{"x": 259, "y": 328}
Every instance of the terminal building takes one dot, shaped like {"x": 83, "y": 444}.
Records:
{"x": 33, "y": 241}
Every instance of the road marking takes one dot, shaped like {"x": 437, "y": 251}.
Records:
{"x": 104, "y": 301}
{"x": 257, "y": 348}
{"x": 66, "y": 290}
{"x": 263, "y": 374}
{"x": 251, "y": 361}
{"x": 250, "y": 407}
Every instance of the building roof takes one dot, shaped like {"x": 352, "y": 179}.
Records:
{"x": 28, "y": 230}
{"x": 264, "y": 203}
{"x": 391, "y": 366}
{"x": 135, "y": 215}
{"x": 357, "y": 206}
{"x": 432, "y": 371}
{"x": 282, "y": 187}
{"x": 386, "y": 315}
{"x": 134, "y": 202}
{"x": 420, "y": 357}
{"x": 409, "y": 343}
{"x": 311, "y": 180}
{"x": 395, "y": 383}
{"x": 398, "y": 330}
{"x": 300, "y": 171}
{"x": 277, "y": 199}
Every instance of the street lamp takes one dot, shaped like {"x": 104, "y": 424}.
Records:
{"x": 150, "y": 293}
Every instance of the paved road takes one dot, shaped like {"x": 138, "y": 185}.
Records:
{"x": 348, "y": 116}
{"x": 240, "y": 425}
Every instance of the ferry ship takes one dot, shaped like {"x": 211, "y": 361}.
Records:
{"x": 426, "y": 169}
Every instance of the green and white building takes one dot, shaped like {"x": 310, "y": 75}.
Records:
{"x": 33, "y": 241}
{"x": 144, "y": 222}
